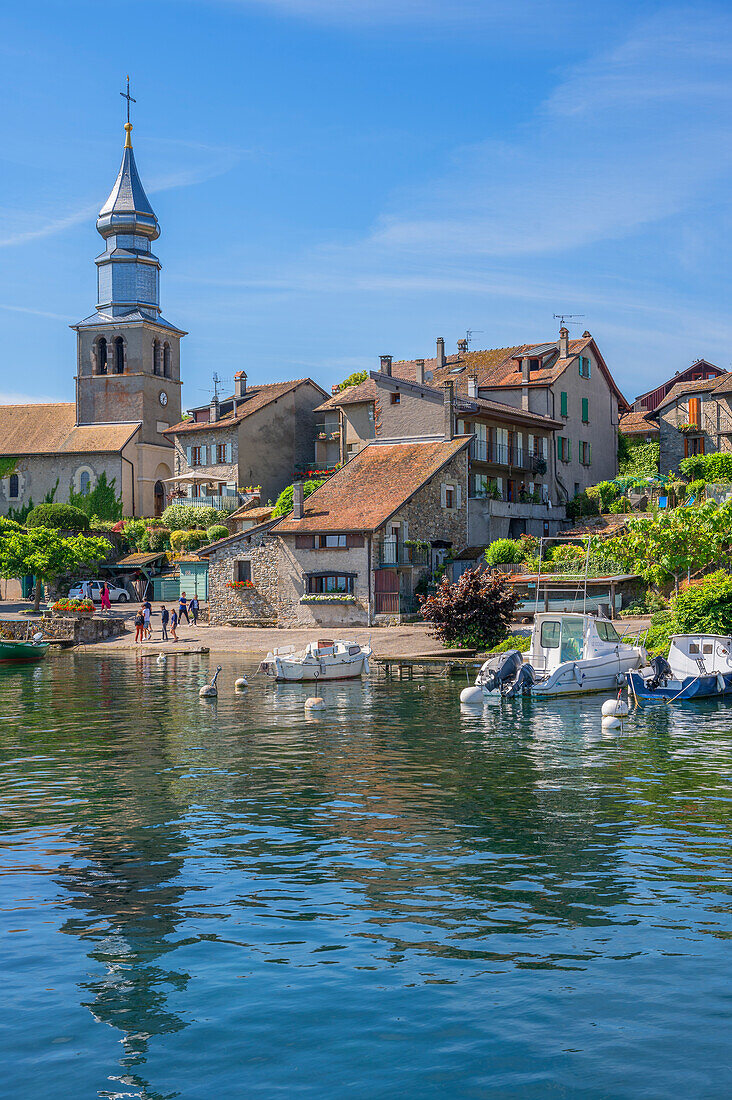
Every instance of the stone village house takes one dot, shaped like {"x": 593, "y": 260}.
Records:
{"x": 259, "y": 435}
{"x": 356, "y": 548}
{"x": 695, "y": 418}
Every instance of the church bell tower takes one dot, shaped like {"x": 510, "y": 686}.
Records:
{"x": 128, "y": 355}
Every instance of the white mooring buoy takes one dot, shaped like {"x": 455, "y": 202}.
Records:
{"x": 611, "y": 723}
{"x": 209, "y": 690}
{"x": 471, "y": 695}
{"x": 162, "y": 658}
{"x": 615, "y": 708}
{"x": 315, "y": 702}
{"x": 241, "y": 684}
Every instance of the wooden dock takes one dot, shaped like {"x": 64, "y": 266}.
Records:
{"x": 448, "y": 663}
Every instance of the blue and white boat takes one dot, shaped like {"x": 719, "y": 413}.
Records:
{"x": 699, "y": 666}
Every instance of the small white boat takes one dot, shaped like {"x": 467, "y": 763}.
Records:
{"x": 326, "y": 659}
{"x": 698, "y": 666}
{"x": 570, "y": 654}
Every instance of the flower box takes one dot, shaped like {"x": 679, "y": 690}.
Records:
{"x": 689, "y": 429}
{"x": 328, "y": 597}
{"x": 77, "y": 609}
{"x": 239, "y": 585}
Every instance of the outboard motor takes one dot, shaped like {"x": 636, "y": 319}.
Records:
{"x": 523, "y": 681}
{"x": 661, "y": 672}
{"x": 498, "y": 670}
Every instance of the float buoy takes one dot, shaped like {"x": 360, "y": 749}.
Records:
{"x": 615, "y": 708}
{"x": 315, "y": 702}
{"x": 209, "y": 690}
{"x": 162, "y": 658}
{"x": 471, "y": 695}
{"x": 611, "y": 723}
{"x": 241, "y": 683}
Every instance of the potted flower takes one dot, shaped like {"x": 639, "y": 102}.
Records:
{"x": 77, "y": 609}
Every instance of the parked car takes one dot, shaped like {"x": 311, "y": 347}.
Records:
{"x": 93, "y": 590}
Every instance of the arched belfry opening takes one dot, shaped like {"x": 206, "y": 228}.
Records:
{"x": 166, "y": 360}
{"x": 119, "y": 355}
{"x": 102, "y": 355}
{"x": 156, "y": 356}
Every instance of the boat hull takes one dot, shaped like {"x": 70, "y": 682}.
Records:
{"x": 286, "y": 672}
{"x": 22, "y": 653}
{"x": 581, "y": 677}
{"x": 691, "y": 687}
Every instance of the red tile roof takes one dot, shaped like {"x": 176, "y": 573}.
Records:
{"x": 256, "y": 397}
{"x": 636, "y": 422}
{"x": 371, "y": 487}
{"x": 704, "y": 385}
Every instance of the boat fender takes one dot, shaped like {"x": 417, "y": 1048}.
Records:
{"x": 578, "y": 674}
{"x": 615, "y": 708}
{"x": 471, "y": 695}
{"x": 721, "y": 684}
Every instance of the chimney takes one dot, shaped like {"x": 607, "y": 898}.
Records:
{"x": 298, "y": 500}
{"x": 449, "y": 412}
{"x": 440, "y": 352}
{"x": 419, "y": 371}
{"x": 386, "y": 364}
{"x": 335, "y": 389}
{"x": 525, "y": 369}
{"x": 472, "y": 387}
{"x": 213, "y": 410}
{"x": 563, "y": 343}
{"x": 240, "y": 383}
{"x": 462, "y": 347}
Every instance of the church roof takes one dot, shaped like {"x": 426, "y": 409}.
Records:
{"x": 52, "y": 429}
{"x": 128, "y": 207}
{"x": 133, "y": 317}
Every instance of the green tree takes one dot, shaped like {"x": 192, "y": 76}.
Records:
{"x": 283, "y": 505}
{"x": 62, "y": 517}
{"x": 354, "y": 379}
{"x": 47, "y": 555}
{"x": 668, "y": 545}
{"x": 101, "y": 501}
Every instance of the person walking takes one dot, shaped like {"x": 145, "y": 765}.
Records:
{"x": 174, "y": 624}
{"x": 164, "y": 619}
{"x": 106, "y": 602}
{"x": 146, "y": 621}
{"x": 182, "y": 609}
{"x": 193, "y": 605}
{"x": 139, "y": 626}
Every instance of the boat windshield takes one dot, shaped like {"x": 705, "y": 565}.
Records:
{"x": 606, "y": 631}
{"x": 573, "y": 631}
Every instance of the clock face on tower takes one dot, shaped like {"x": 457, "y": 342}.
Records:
{"x": 163, "y": 398}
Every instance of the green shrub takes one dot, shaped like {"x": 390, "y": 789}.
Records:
{"x": 284, "y": 500}
{"x": 658, "y": 638}
{"x": 581, "y": 505}
{"x": 696, "y": 489}
{"x": 505, "y": 552}
{"x": 194, "y": 539}
{"x": 186, "y": 517}
{"x": 62, "y": 517}
{"x": 522, "y": 642}
{"x": 135, "y": 532}
{"x": 706, "y": 607}
{"x": 567, "y": 552}
{"x": 216, "y": 532}
{"x": 718, "y": 466}
{"x": 604, "y": 493}
{"x": 159, "y": 539}
{"x": 177, "y": 539}
{"x": 637, "y": 459}
{"x": 693, "y": 467}
{"x": 100, "y": 501}
{"x": 620, "y": 507}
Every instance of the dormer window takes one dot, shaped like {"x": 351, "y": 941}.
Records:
{"x": 534, "y": 364}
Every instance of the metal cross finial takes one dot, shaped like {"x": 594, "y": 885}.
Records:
{"x": 126, "y": 95}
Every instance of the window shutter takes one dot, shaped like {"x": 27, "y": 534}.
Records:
{"x": 188, "y": 455}
{"x": 559, "y": 446}
{"x": 589, "y": 454}
{"x": 304, "y": 542}
{"x": 686, "y": 447}
{"x": 203, "y": 454}
{"x": 443, "y": 495}
{"x": 563, "y": 403}
{"x": 569, "y": 450}
{"x": 228, "y": 451}
{"x": 354, "y": 542}
{"x": 458, "y": 496}
{"x": 585, "y": 410}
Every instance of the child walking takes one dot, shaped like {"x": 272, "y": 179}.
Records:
{"x": 164, "y": 619}
{"x": 174, "y": 624}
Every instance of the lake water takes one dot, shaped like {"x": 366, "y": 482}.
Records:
{"x": 391, "y": 899}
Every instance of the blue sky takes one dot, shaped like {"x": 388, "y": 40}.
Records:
{"x": 337, "y": 179}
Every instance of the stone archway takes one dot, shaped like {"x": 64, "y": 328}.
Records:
{"x": 159, "y": 498}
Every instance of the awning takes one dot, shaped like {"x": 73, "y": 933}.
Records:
{"x": 136, "y": 561}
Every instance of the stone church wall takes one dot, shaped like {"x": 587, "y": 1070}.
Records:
{"x": 38, "y": 474}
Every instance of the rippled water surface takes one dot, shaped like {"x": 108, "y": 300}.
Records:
{"x": 391, "y": 899}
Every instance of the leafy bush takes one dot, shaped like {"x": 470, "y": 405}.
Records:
{"x": 283, "y": 504}
{"x": 159, "y": 539}
{"x": 604, "y": 493}
{"x": 505, "y": 552}
{"x": 567, "y": 552}
{"x": 693, "y": 467}
{"x": 620, "y": 507}
{"x": 135, "y": 532}
{"x": 353, "y": 380}
{"x": 216, "y": 532}
{"x": 194, "y": 539}
{"x": 474, "y": 611}
{"x": 718, "y": 466}
{"x": 61, "y": 517}
{"x": 177, "y": 540}
{"x": 658, "y": 638}
{"x": 696, "y": 489}
{"x": 705, "y": 607}
{"x": 522, "y": 642}
{"x": 100, "y": 501}
{"x": 581, "y": 505}
{"x": 186, "y": 517}
{"x": 638, "y": 459}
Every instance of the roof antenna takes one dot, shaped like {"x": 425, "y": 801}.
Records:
{"x": 469, "y": 335}
{"x": 566, "y": 318}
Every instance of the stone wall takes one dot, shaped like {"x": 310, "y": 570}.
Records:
{"x": 425, "y": 517}
{"x": 72, "y": 630}
{"x": 233, "y": 604}
{"x": 715, "y": 428}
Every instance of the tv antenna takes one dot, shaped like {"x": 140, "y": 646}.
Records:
{"x": 469, "y": 334}
{"x": 568, "y": 318}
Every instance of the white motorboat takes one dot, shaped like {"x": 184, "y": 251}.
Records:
{"x": 570, "y": 654}
{"x": 326, "y": 659}
{"x": 698, "y": 666}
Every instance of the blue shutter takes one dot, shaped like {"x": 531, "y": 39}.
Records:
{"x": 203, "y": 454}
{"x": 228, "y": 451}
{"x": 188, "y": 455}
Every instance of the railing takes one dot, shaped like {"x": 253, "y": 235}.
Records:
{"x": 228, "y": 502}
{"x": 596, "y": 567}
{"x": 500, "y": 454}
{"x": 391, "y": 552}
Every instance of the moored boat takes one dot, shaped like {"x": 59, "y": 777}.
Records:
{"x": 325, "y": 659}
{"x": 570, "y": 654}
{"x": 699, "y": 666}
{"x": 15, "y": 652}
